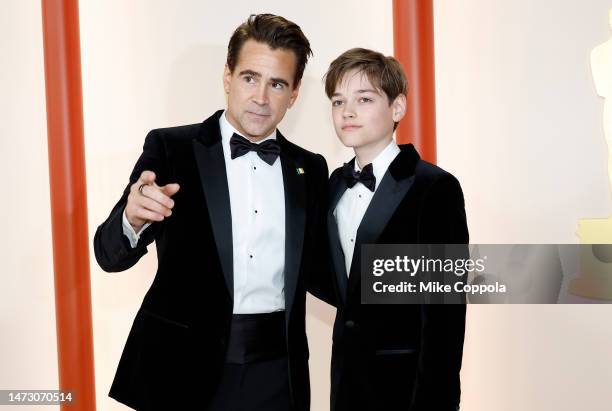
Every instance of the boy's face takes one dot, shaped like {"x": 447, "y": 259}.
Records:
{"x": 362, "y": 115}
{"x": 260, "y": 89}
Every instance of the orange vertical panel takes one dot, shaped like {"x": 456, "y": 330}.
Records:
{"x": 413, "y": 36}
{"x": 60, "y": 21}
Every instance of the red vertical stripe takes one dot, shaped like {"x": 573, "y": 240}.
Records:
{"x": 413, "y": 36}
{"x": 68, "y": 200}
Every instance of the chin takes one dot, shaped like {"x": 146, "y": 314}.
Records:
{"x": 351, "y": 141}
{"x": 257, "y": 132}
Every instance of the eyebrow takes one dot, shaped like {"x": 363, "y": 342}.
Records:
{"x": 258, "y": 75}
{"x": 369, "y": 90}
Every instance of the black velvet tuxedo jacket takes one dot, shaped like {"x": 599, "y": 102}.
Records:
{"x": 175, "y": 350}
{"x": 398, "y": 357}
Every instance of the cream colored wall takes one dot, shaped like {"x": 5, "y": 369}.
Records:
{"x": 518, "y": 122}
{"x": 520, "y": 125}
{"x": 27, "y": 310}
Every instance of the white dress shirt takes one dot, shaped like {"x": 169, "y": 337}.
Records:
{"x": 355, "y": 201}
{"x": 257, "y": 201}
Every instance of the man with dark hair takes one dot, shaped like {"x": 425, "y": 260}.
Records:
{"x": 388, "y": 357}
{"x": 236, "y": 213}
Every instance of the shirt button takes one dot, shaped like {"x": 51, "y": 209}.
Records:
{"x": 250, "y": 255}
{"x": 351, "y": 240}
{"x": 359, "y": 195}
{"x": 255, "y": 211}
{"x": 254, "y": 168}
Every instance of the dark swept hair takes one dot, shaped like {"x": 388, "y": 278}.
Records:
{"x": 384, "y": 73}
{"x": 275, "y": 31}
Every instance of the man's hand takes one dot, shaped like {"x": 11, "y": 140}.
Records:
{"x": 149, "y": 203}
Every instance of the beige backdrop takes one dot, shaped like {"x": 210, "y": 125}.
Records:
{"x": 519, "y": 124}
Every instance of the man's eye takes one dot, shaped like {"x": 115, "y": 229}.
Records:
{"x": 336, "y": 103}
{"x": 278, "y": 86}
{"x": 249, "y": 79}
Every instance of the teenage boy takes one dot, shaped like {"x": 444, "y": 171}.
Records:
{"x": 388, "y": 357}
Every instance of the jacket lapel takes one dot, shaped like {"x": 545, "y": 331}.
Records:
{"x": 208, "y": 152}
{"x": 391, "y": 190}
{"x": 295, "y": 219}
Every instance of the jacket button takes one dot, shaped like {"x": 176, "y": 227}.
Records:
{"x": 350, "y": 324}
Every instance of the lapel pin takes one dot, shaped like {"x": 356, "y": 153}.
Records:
{"x": 300, "y": 171}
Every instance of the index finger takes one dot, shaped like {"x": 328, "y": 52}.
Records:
{"x": 155, "y": 193}
{"x": 147, "y": 177}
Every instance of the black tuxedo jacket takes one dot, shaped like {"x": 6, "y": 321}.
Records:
{"x": 175, "y": 350}
{"x": 398, "y": 357}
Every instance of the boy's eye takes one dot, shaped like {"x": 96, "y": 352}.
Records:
{"x": 336, "y": 103}
{"x": 365, "y": 100}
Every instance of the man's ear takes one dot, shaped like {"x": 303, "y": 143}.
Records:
{"x": 398, "y": 107}
{"x": 227, "y": 79}
{"x": 294, "y": 94}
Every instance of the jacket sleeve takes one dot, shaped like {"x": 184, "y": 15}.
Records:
{"x": 320, "y": 280}
{"x": 111, "y": 247}
{"x": 437, "y": 384}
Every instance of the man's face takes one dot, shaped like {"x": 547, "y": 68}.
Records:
{"x": 362, "y": 115}
{"x": 260, "y": 89}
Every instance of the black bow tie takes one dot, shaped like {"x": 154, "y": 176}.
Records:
{"x": 268, "y": 151}
{"x": 365, "y": 177}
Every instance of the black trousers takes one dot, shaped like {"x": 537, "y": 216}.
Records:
{"x": 262, "y": 385}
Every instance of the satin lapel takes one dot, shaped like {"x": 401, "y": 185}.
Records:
{"x": 211, "y": 165}
{"x": 295, "y": 221}
{"x": 384, "y": 203}
{"x": 338, "y": 187}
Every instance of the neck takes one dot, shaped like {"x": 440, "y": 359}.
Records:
{"x": 366, "y": 154}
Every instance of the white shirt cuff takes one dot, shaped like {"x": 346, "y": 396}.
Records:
{"x": 129, "y": 232}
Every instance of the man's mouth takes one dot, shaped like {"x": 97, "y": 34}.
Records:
{"x": 258, "y": 114}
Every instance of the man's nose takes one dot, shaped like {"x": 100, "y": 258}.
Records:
{"x": 261, "y": 94}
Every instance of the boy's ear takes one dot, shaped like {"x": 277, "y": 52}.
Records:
{"x": 398, "y": 107}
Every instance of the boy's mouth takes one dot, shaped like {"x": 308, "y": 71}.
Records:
{"x": 349, "y": 127}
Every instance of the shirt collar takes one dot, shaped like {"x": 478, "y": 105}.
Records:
{"x": 382, "y": 161}
{"x": 227, "y": 130}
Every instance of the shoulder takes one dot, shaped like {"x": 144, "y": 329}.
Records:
{"x": 429, "y": 172}
{"x": 303, "y": 156}
{"x": 295, "y": 151}
{"x": 177, "y": 133}
{"x": 177, "y": 140}
{"x": 208, "y": 130}
{"x": 435, "y": 180}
